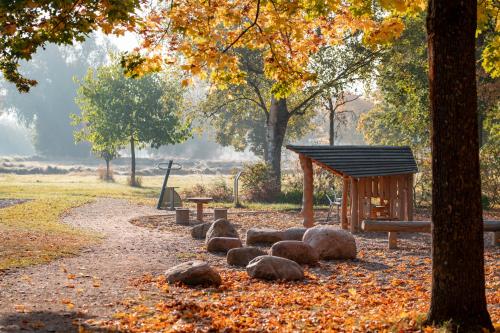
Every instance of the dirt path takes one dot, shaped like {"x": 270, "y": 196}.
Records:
{"x": 93, "y": 283}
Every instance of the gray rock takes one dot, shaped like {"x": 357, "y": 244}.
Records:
{"x": 200, "y": 231}
{"x": 221, "y": 228}
{"x": 295, "y": 233}
{"x": 331, "y": 243}
{"x": 223, "y": 244}
{"x": 193, "y": 273}
{"x": 242, "y": 256}
{"x": 297, "y": 251}
{"x": 263, "y": 236}
{"x": 274, "y": 268}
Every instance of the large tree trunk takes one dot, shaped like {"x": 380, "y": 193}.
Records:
{"x": 132, "y": 166}
{"x": 275, "y": 135}
{"x": 458, "y": 293}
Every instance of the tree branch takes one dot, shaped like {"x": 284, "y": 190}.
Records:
{"x": 227, "y": 48}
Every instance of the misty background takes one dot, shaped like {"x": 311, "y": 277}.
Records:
{"x": 36, "y": 130}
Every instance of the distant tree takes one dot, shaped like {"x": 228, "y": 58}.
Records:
{"x": 117, "y": 109}
{"x": 48, "y": 105}
{"x": 248, "y": 115}
{"x": 29, "y": 25}
{"x": 402, "y": 114}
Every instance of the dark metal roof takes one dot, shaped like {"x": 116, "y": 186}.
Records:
{"x": 361, "y": 161}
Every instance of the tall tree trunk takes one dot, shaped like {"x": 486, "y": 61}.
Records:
{"x": 331, "y": 114}
{"x": 276, "y": 126}
{"x": 107, "y": 169}
{"x": 458, "y": 293}
{"x": 132, "y": 167}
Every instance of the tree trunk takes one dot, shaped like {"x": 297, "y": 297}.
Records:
{"x": 458, "y": 293}
{"x": 132, "y": 167}
{"x": 275, "y": 135}
{"x": 107, "y": 169}
{"x": 331, "y": 113}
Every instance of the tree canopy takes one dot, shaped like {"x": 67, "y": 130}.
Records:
{"x": 30, "y": 24}
{"x": 117, "y": 110}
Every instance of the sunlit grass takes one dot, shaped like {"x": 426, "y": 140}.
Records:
{"x": 31, "y": 233}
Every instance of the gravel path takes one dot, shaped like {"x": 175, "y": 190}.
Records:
{"x": 92, "y": 284}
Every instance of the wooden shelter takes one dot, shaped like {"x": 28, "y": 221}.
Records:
{"x": 377, "y": 181}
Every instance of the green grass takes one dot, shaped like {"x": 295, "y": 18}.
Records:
{"x": 31, "y": 233}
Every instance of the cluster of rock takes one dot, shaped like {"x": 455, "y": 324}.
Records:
{"x": 290, "y": 249}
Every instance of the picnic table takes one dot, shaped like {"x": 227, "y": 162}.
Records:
{"x": 199, "y": 205}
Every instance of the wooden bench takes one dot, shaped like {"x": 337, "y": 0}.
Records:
{"x": 393, "y": 227}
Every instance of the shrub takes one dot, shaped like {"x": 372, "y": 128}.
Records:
{"x": 219, "y": 191}
{"x": 324, "y": 183}
{"x": 101, "y": 173}
{"x": 490, "y": 174}
{"x": 257, "y": 183}
{"x": 137, "y": 183}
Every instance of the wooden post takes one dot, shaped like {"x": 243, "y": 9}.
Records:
{"x": 393, "y": 240}
{"x": 307, "y": 198}
{"x": 401, "y": 197}
{"x": 220, "y": 213}
{"x": 354, "y": 205}
{"x": 182, "y": 216}
{"x": 409, "y": 199}
{"x": 375, "y": 192}
{"x": 345, "y": 190}
{"x": 394, "y": 196}
{"x": 361, "y": 202}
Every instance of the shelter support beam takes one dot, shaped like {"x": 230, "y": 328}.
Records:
{"x": 354, "y": 205}
{"x": 307, "y": 198}
{"x": 345, "y": 190}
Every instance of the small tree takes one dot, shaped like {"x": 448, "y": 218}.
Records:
{"x": 117, "y": 109}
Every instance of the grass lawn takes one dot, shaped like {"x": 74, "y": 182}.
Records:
{"x": 31, "y": 232}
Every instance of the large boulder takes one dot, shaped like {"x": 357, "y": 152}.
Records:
{"x": 242, "y": 256}
{"x": 331, "y": 243}
{"x": 221, "y": 228}
{"x": 274, "y": 268}
{"x": 294, "y": 233}
{"x": 263, "y": 236}
{"x": 193, "y": 273}
{"x": 200, "y": 231}
{"x": 297, "y": 251}
{"x": 223, "y": 244}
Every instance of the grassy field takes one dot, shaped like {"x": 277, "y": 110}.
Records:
{"x": 31, "y": 232}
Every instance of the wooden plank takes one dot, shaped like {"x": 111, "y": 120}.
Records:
{"x": 369, "y": 186}
{"x": 375, "y": 187}
{"x": 396, "y": 226}
{"x": 345, "y": 190}
{"x": 354, "y": 205}
{"x": 490, "y": 225}
{"x": 307, "y": 198}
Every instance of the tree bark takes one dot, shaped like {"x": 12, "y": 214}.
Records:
{"x": 132, "y": 166}
{"x": 276, "y": 126}
{"x": 107, "y": 169}
{"x": 458, "y": 294}
{"x": 331, "y": 114}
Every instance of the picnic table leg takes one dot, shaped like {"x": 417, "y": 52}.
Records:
{"x": 393, "y": 240}
{"x": 199, "y": 211}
